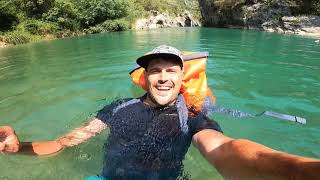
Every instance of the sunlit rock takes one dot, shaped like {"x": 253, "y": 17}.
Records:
{"x": 163, "y": 20}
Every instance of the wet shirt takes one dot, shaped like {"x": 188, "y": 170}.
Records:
{"x": 147, "y": 142}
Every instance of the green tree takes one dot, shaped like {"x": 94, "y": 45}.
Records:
{"x": 8, "y": 16}
{"x": 308, "y": 6}
{"x": 65, "y": 13}
{"x": 97, "y": 11}
{"x": 34, "y": 8}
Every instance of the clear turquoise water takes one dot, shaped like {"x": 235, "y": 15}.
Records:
{"x": 49, "y": 88}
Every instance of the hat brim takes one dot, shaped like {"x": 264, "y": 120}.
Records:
{"x": 143, "y": 61}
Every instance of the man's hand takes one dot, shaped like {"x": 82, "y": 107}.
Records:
{"x": 9, "y": 141}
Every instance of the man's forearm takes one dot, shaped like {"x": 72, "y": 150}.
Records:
{"x": 252, "y": 160}
{"x": 243, "y": 159}
{"x": 83, "y": 133}
{"x": 73, "y": 138}
{"x": 40, "y": 148}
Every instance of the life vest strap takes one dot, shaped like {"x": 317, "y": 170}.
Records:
{"x": 195, "y": 55}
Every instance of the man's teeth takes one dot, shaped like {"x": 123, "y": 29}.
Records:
{"x": 163, "y": 88}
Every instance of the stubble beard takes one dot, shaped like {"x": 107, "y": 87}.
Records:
{"x": 161, "y": 101}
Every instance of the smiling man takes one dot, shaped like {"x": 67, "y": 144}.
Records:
{"x": 150, "y": 135}
{"x": 164, "y": 76}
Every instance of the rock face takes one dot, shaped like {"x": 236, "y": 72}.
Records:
{"x": 214, "y": 16}
{"x": 3, "y": 44}
{"x": 303, "y": 25}
{"x": 254, "y": 16}
{"x": 158, "y": 20}
{"x": 264, "y": 15}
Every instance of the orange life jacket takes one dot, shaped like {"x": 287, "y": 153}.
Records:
{"x": 194, "y": 87}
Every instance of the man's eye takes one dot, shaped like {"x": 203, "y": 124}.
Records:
{"x": 171, "y": 71}
{"x": 154, "y": 71}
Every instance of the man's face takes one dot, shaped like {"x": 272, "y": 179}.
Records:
{"x": 163, "y": 79}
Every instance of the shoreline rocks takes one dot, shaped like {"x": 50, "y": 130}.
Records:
{"x": 3, "y": 44}
{"x": 260, "y": 15}
{"x": 162, "y": 20}
{"x": 301, "y": 25}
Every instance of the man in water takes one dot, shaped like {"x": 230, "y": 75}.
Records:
{"x": 150, "y": 135}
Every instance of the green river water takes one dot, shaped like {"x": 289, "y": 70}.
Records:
{"x": 49, "y": 88}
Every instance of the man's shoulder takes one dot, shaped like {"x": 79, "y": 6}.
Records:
{"x": 112, "y": 108}
{"x": 120, "y": 103}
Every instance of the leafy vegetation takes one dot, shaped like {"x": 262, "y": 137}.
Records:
{"x": 23, "y": 21}
{"x": 19, "y": 37}
{"x": 65, "y": 14}
{"x": 169, "y": 6}
{"x": 37, "y": 27}
{"x": 109, "y": 25}
{"x": 305, "y": 6}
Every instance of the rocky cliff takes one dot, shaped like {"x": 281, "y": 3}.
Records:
{"x": 272, "y": 16}
{"x": 162, "y": 20}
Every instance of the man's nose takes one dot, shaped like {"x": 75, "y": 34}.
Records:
{"x": 163, "y": 76}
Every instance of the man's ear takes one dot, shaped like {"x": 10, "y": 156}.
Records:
{"x": 145, "y": 75}
{"x": 145, "y": 80}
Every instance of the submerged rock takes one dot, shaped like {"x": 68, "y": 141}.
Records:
{"x": 162, "y": 20}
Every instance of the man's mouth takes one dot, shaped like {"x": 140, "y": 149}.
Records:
{"x": 163, "y": 88}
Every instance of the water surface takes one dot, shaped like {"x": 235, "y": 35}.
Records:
{"x": 49, "y": 88}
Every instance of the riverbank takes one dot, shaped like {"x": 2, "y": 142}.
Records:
{"x": 313, "y": 32}
{"x": 254, "y": 17}
{"x": 32, "y": 21}
{"x": 284, "y": 17}
{"x": 300, "y": 25}
{"x": 153, "y": 20}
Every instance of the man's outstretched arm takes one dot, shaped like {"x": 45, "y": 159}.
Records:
{"x": 244, "y": 159}
{"x": 73, "y": 138}
{"x": 83, "y": 133}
